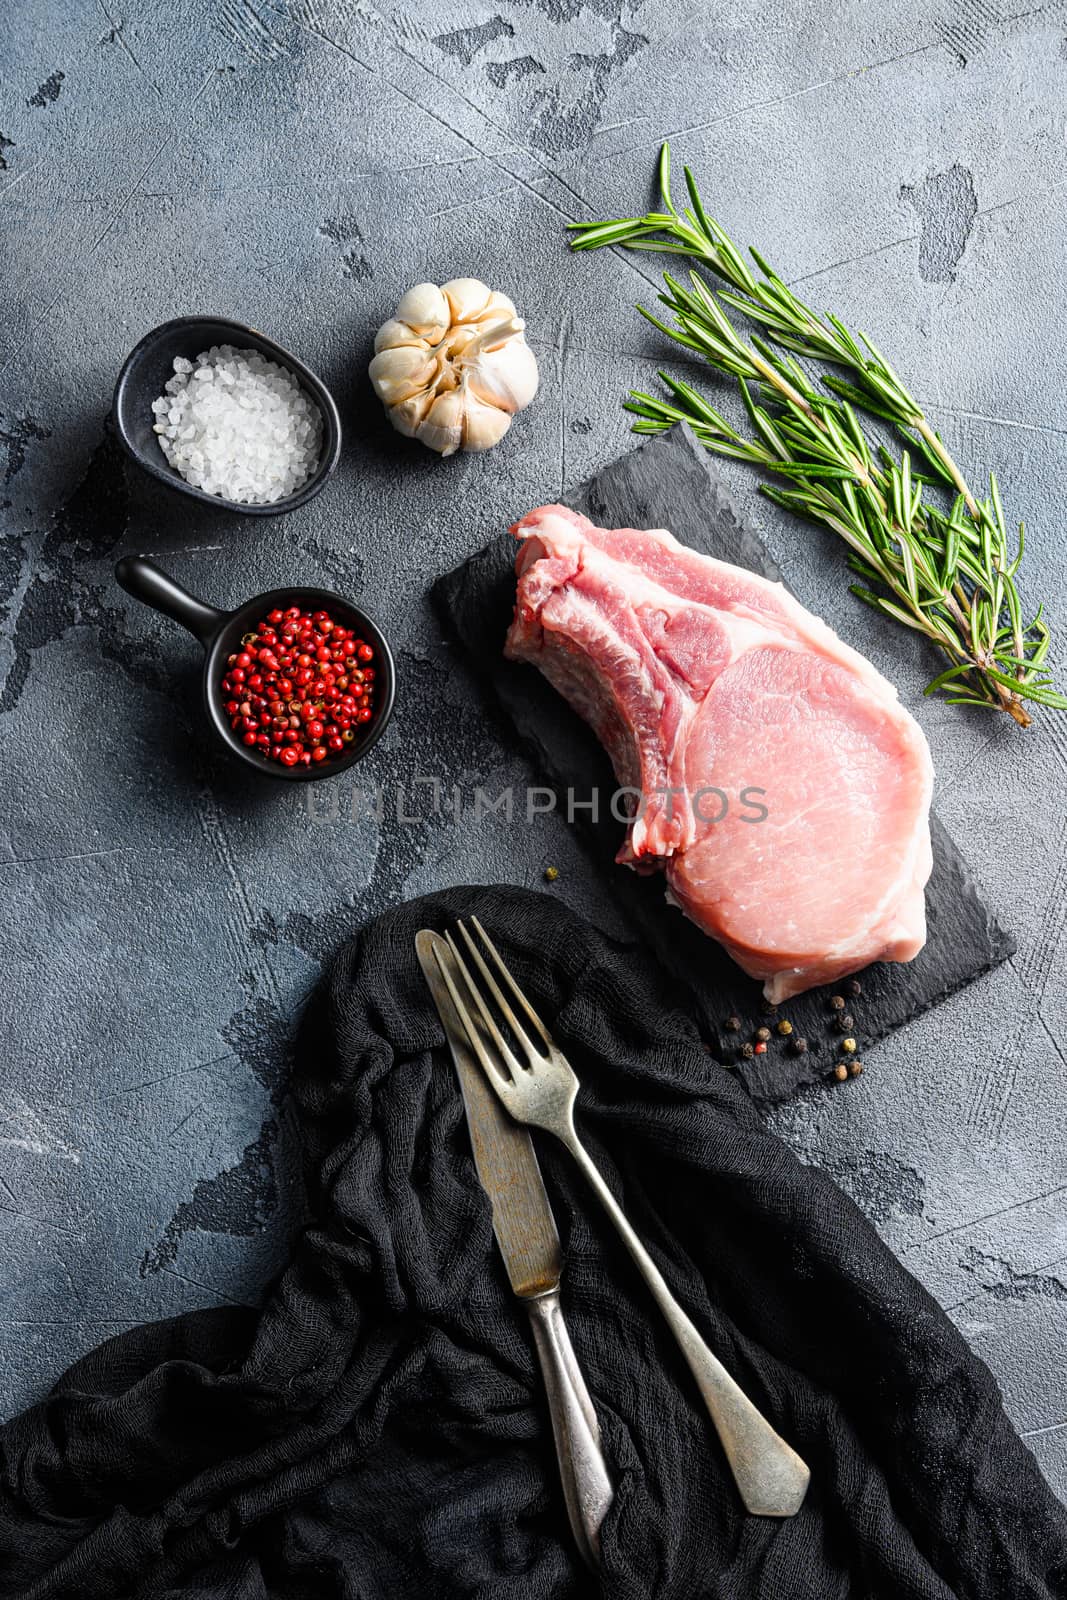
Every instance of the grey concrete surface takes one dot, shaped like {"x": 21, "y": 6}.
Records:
{"x": 298, "y": 165}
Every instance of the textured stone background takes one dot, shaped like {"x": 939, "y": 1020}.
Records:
{"x": 299, "y": 165}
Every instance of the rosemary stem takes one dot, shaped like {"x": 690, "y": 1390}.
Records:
{"x": 921, "y": 426}
{"x": 784, "y": 387}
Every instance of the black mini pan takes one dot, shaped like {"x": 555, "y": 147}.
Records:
{"x": 221, "y": 632}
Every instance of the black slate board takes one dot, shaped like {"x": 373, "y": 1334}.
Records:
{"x": 671, "y": 482}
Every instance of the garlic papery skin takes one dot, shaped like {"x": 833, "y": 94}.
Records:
{"x": 452, "y": 366}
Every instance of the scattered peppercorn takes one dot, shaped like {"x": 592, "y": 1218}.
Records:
{"x": 759, "y": 1049}
{"x": 763, "y": 1034}
{"x": 733, "y": 1024}
{"x": 551, "y": 874}
{"x": 784, "y": 1028}
{"x": 855, "y": 987}
{"x": 855, "y": 1069}
{"x": 840, "y": 1072}
{"x": 748, "y": 1051}
{"x": 798, "y": 1046}
{"x": 844, "y": 1022}
{"x": 849, "y": 1046}
{"x": 298, "y": 688}
{"x": 837, "y": 1002}
{"x": 768, "y": 1007}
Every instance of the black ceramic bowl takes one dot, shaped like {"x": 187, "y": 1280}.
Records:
{"x": 220, "y": 633}
{"x": 151, "y": 363}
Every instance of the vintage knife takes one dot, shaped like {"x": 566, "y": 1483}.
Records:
{"x": 526, "y": 1234}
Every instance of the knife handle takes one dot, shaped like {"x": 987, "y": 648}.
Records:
{"x": 587, "y": 1489}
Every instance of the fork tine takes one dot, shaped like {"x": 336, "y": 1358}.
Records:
{"x": 490, "y": 1066}
{"x": 513, "y": 1065}
{"x": 498, "y": 959}
{"x": 533, "y": 1056}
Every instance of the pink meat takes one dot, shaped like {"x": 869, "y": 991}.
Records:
{"x": 719, "y": 699}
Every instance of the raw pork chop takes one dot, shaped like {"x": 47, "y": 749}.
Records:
{"x": 700, "y": 676}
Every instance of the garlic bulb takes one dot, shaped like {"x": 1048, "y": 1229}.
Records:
{"x": 452, "y": 367}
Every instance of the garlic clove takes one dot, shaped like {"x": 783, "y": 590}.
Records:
{"x": 459, "y": 420}
{"x": 425, "y": 309}
{"x": 505, "y": 376}
{"x": 398, "y": 373}
{"x": 484, "y": 425}
{"x": 468, "y": 298}
{"x": 500, "y": 306}
{"x": 394, "y": 333}
{"x": 442, "y": 427}
{"x": 408, "y": 415}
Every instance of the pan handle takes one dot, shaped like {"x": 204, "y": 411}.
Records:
{"x": 145, "y": 581}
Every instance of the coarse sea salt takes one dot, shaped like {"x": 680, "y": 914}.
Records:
{"x": 237, "y": 425}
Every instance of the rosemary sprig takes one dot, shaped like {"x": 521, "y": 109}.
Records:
{"x": 943, "y": 570}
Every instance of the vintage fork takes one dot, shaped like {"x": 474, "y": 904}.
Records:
{"x": 540, "y": 1090}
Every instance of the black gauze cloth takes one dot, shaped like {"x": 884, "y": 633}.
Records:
{"x": 379, "y": 1429}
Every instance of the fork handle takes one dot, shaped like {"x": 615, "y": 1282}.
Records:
{"x": 770, "y": 1476}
